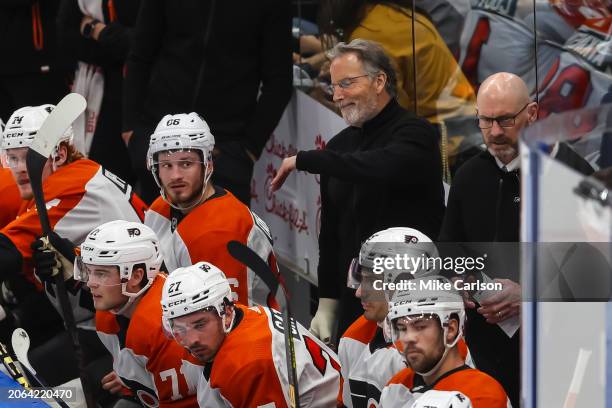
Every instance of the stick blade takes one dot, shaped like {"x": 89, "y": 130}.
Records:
{"x": 20, "y": 341}
{"x": 66, "y": 112}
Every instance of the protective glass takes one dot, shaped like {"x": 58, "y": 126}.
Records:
{"x": 96, "y": 275}
{"x": 359, "y": 274}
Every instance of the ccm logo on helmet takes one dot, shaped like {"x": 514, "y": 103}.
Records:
{"x": 133, "y": 232}
{"x": 178, "y": 302}
{"x": 16, "y": 134}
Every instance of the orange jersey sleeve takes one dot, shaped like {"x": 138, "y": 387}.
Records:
{"x": 11, "y": 199}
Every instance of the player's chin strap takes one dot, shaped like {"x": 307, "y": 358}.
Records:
{"x": 162, "y": 192}
{"x": 447, "y": 347}
{"x": 131, "y": 297}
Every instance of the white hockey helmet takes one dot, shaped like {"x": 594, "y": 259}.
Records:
{"x": 434, "y": 296}
{"x": 183, "y": 131}
{"x": 390, "y": 243}
{"x": 442, "y": 399}
{"x": 124, "y": 244}
{"x": 23, "y": 125}
{"x": 194, "y": 288}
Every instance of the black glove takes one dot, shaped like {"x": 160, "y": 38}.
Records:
{"x": 52, "y": 255}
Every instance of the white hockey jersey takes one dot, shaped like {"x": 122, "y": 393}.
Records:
{"x": 250, "y": 368}
{"x": 368, "y": 363}
{"x": 203, "y": 234}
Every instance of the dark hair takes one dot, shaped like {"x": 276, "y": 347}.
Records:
{"x": 340, "y": 18}
{"x": 372, "y": 56}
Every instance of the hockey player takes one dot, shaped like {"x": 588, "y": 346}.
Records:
{"x": 79, "y": 195}
{"x": 243, "y": 349}
{"x": 120, "y": 262}
{"x": 367, "y": 356}
{"x": 428, "y": 324}
{"x": 195, "y": 219}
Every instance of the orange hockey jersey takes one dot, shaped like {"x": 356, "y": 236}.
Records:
{"x": 155, "y": 367}
{"x": 80, "y": 196}
{"x": 484, "y": 391}
{"x": 368, "y": 363}
{"x": 203, "y": 234}
{"x": 10, "y": 201}
{"x": 250, "y": 368}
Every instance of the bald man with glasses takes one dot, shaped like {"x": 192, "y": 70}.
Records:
{"x": 484, "y": 206}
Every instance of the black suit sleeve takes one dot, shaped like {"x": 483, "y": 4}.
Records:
{"x": 328, "y": 247}
{"x": 146, "y": 40}
{"x": 410, "y": 156}
{"x": 276, "y": 75}
{"x": 112, "y": 45}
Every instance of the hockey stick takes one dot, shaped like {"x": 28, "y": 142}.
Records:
{"x": 250, "y": 259}
{"x": 21, "y": 344}
{"x": 12, "y": 369}
{"x": 47, "y": 138}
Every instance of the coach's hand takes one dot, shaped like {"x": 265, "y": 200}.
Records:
{"x": 287, "y": 166}
{"x": 51, "y": 255}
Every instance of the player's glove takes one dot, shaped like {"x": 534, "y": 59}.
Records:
{"x": 323, "y": 321}
{"x": 52, "y": 255}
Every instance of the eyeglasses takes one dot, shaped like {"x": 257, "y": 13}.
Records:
{"x": 345, "y": 83}
{"x": 503, "y": 121}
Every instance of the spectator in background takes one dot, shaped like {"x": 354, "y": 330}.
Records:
{"x": 442, "y": 91}
{"x": 384, "y": 170}
{"x": 105, "y": 44}
{"x": 30, "y": 73}
{"x": 214, "y": 58}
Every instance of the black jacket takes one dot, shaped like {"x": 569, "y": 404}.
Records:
{"x": 28, "y": 37}
{"x": 484, "y": 206}
{"x": 386, "y": 174}
{"x": 176, "y": 65}
{"x": 484, "y": 201}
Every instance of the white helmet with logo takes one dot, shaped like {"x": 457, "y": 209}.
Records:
{"x": 391, "y": 243}
{"x": 433, "y": 296}
{"x": 442, "y": 399}
{"x": 194, "y": 288}
{"x": 23, "y": 125}
{"x": 123, "y": 244}
{"x": 183, "y": 131}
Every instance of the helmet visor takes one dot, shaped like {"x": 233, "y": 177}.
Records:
{"x": 105, "y": 275}
{"x": 193, "y": 325}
